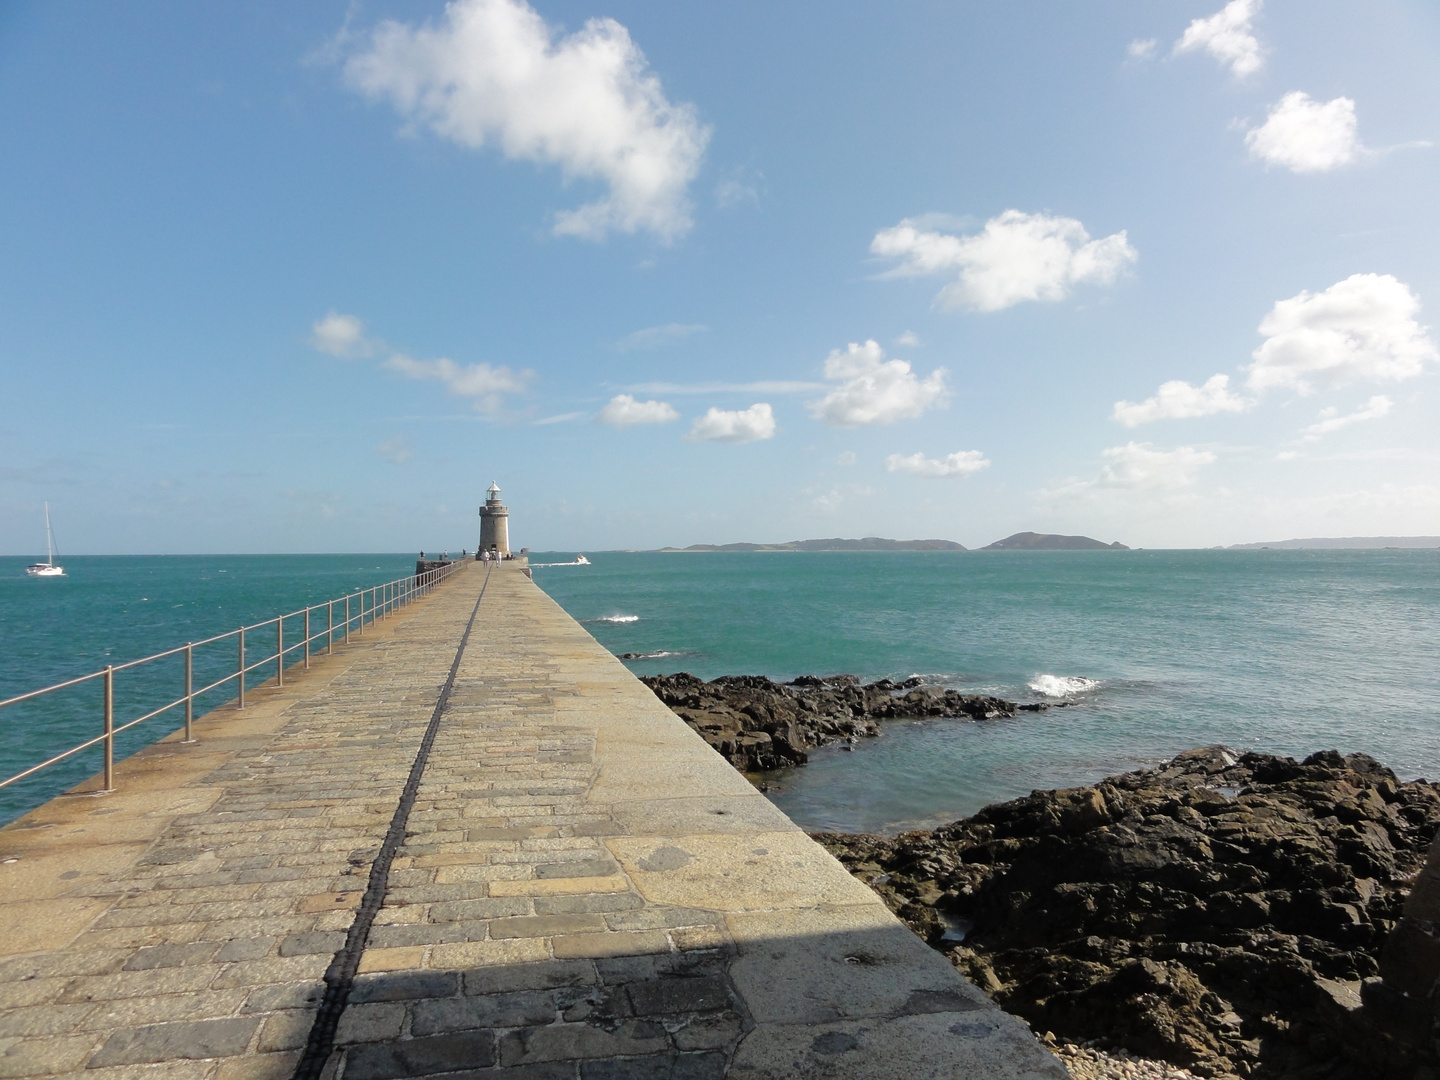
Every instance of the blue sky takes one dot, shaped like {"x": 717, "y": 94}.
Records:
{"x": 280, "y": 277}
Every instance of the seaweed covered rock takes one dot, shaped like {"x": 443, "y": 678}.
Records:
{"x": 1220, "y": 912}
{"x": 756, "y": 724}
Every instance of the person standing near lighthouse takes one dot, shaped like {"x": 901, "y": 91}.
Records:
{"x": 494, "y": 525}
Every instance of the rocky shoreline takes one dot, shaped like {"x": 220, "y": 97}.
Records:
{"x": 1221, "y": 913}
{"x": 757, "y": 725}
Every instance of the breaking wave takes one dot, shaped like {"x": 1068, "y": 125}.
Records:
{"x": 1061, "y": 686}
{"x": 616, "y": 618}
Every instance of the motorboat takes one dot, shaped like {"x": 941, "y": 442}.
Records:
{"x": 48, "y": 568}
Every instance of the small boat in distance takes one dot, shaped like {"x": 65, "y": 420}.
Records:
{"x": 581, "y": 560}
{"x": 48, "y": 567}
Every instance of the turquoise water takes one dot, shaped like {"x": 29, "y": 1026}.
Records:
{"x": 110, "y": 609}
{"x": 1287, "y": 652}
{"x": 1282, "y": 651}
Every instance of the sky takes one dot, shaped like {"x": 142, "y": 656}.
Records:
{"x": 282, "y": 277}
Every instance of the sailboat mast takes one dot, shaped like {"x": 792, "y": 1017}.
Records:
{"x": 49, "y": 539}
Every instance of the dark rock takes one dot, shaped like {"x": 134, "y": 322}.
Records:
{"x": 757, "y": 724}
{"x": 1224, "y": 912}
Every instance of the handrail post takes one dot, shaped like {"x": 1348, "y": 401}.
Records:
{"x": 307, "y": 639}
{"x": 189, "y": 690}
{"x": 329, "y": 627}
{"x": 109, "y": 727}
{"x": 240, "y": 668}
{"x": 280, "y": 651}
{"x": 347, "y": 620}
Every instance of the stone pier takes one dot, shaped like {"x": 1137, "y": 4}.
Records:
{"x": 502, "y": 860}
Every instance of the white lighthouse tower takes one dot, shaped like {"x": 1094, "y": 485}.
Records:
{"x": 494, "y": 523}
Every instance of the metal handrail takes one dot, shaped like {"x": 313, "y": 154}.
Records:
{"x": 384, "y": 599}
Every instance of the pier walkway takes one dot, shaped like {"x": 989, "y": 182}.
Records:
{"x": 501, "y": 858}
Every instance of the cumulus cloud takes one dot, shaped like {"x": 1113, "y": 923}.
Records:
{"x": 484, "y": 384}
{"x": 1014, "y": 258}
{"x": 657, "y": 337}
{"x": 1228, "y": 36}
{"x": 493, "y": 72}
{"x": 1361, "y": 328}
{"x": 875, "y": 390}
{"x": 1139, "y": 466}
{"x": 1329, "y": 421}
{"x": 960, "y": 463}
{"x": 396, "y": 450}
{"x": 624, "y": 411}
{"x": 1142, "y": 49}
{"x": 344, "y": 335}
{"x": 340, "y": 335}
{"x": 1305, "y": 135}
{"x": 734, "y": 425}
{"x": 1177, "y": 399}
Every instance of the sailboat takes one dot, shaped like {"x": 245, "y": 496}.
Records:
{"x": 48, "y": 567}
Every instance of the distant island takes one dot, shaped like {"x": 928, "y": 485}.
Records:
{"x": 1031, "y": 541}
{"x": 869, "y": 543}
{"x": 1354, "y": 543}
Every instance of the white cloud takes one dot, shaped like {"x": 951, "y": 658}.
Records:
{"x": 1361, "y": 328}
{"x": 833, "y": 501}
{"x": 908, "y": 338}
{"x": 1142, "y": 50}
{"x": 559, "y": 418}
{"x": 960, "y": 463}
{"x": 657, "y": 337}
{"x": 485, "y": 384}
{"x": 735, "y": 191}
{"x": 1227, "y": 36}
{"x": 734, "y": 425}
{"x": 1373, "y": 409}
{"x": 340, "y": 335}
{"x": 847, "y": 457}
{"x": 875, "y": 390}
{"x": 1177, "y": 399}
{"x": 1014, "y": 258}
{"x": 492, "y": 71}
{"x": 1139, "y": 466}
{"x": 1306, "y": 135}
{"x": 396, "y": 450}
{"x": 624, "y": 411}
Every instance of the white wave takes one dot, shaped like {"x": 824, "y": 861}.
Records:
{"x": 1060, "y": 686}
{"x": 617, "y": 618}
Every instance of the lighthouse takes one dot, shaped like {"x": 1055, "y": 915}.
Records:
{"x": 494, "y": 523}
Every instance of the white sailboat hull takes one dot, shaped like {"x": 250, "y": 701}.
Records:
{"x": 48, "y": 567}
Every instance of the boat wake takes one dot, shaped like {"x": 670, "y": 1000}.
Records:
{"x": 579, "y": 560}
{"x": 615, "y": 619}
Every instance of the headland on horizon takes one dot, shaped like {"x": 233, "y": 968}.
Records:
{"x": 868, "y": 543}
{"x": 1342, "y": 543}
{"x": 1021, "y": 541}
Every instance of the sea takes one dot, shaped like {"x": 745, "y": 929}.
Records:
{"x": 113, "y": 609}
{"x": 1142, "y": 653}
